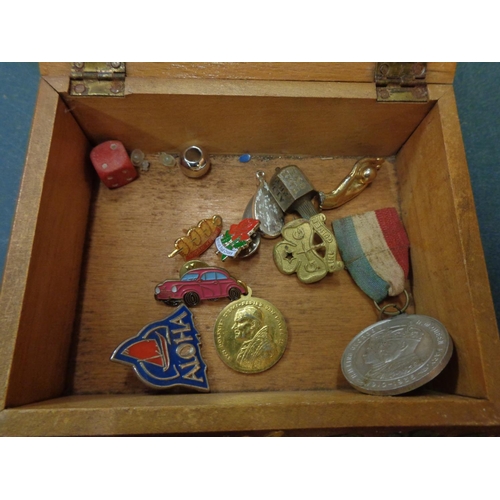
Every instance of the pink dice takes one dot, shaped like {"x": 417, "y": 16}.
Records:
{"x": 112, "y": 164}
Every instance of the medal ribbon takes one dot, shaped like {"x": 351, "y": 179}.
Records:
{"x": 375, "y": 248}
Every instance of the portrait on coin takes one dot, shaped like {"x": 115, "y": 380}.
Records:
{"x": 393, "y": 354}
{"x": 256, "y": 348}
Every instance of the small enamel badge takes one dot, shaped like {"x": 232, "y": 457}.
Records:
{"x": 237, "y": 238}
{"x": 198, "y": 239}
{"x": 166, "y": 353}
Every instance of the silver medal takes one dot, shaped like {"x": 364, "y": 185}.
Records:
{"x": 397, "y": 355}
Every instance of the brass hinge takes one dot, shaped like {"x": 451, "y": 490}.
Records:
{"x": 401, "y": 82}
{"x": 97, "y": 79}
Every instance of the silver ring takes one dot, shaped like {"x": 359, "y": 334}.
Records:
{"x": 194, "y": 162}
{"x": 398, "y": 310}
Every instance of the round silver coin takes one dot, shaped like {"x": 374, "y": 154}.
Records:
{"x": 397, "y": 355}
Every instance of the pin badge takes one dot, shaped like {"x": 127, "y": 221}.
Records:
{"x": 308, "y": 249}
{"x": 198, "y": 281}
{"x": 237, "y": 238}
{"x": 166, "y": 353}
{"x": 198, "y": 239}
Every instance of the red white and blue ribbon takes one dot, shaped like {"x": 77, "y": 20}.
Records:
{"x": 375, "y": 249}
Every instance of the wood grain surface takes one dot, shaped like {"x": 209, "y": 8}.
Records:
{"x": 329, "y": 71}
{"x": 244, "y": 412}
{"x": 449, "y": 275}
{"x": 133, "y": 229}
{"x": 264, "y": 117}
{"x": 40, "y": 286}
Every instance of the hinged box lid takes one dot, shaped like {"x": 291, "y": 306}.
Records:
{"x": 357, "y": 72}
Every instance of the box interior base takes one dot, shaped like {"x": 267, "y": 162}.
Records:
{"x": 133, "y": 230}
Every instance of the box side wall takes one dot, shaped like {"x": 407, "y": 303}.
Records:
{"x": 172, "y": 414}
{"x": 53, "y": 207}
{"x": 23, "y": 229}
{"x": 333, "y": 122}
{"x": 448, "y": 271}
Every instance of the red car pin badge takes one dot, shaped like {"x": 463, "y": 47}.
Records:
{"x": 198, "y": 282}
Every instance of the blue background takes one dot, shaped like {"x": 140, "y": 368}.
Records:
{"x": 478, "y": 98}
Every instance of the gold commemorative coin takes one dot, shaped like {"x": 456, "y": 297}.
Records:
{"x": 250, "y": 334}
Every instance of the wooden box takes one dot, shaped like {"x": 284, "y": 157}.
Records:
{"x": 84, "y": 260}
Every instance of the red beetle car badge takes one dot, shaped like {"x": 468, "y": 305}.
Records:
{"x": 200, "y": 282}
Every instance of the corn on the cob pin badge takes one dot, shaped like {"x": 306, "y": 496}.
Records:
{"x": 198, "y": 239}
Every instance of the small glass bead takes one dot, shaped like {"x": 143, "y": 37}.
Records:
{"x": 166, "y": 159}
{"x": 137, "y": 157}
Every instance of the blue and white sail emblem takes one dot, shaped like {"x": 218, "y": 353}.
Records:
{"x": 166, "y": 353}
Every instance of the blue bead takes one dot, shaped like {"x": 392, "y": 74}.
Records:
{"x": 245, "y": 158}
